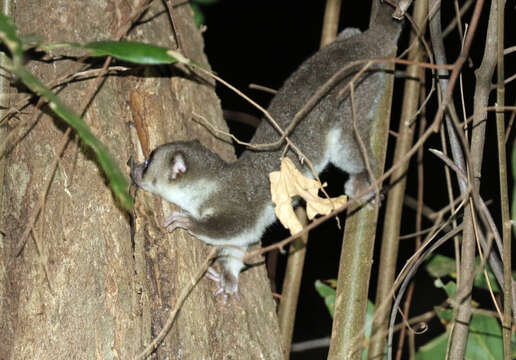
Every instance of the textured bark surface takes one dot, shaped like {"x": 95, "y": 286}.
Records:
{"x": 109, "y": 290}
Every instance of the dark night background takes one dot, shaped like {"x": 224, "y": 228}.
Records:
{"x": 262, "y": 42}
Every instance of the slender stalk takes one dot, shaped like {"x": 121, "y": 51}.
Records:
{"x": 291, "y": 285}
{"x": 297, "y": 251}
{"x": 420, "y": 205}
{"x": 504, "y": 194}
{"x": 481, "y": 97}
{"x": 419, "y": 223}
{"x": 331, "y": 21}
{"x": 353, "y": 284}
{"x": 357, "y": 250}
{"x": 393, "y": 210}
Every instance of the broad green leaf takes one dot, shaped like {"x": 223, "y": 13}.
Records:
{"x": 129, "y": 51}
{"x": 441, "y": 266}
{"x": 484, "y": 341}
{"x": 485, "y": 338}
{"x": 450, "y": 287}
{"x": 134, "y": 52}
{"x": 445, "y": 315}
{"x": 434, "y": 349}
{"x": 328, "y": 294}
{"x": 117, "y": 179}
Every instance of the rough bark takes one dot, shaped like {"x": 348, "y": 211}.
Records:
{"x": 110, "y": 289}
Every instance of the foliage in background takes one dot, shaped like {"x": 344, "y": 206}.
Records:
{"x": 440, "y": 266}
{"x": 485, "y": 339}
{"x": 328, "y": 293}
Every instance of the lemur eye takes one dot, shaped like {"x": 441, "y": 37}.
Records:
{"x": 146, "y": 163}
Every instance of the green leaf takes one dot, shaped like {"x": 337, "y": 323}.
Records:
{"x": 445, "y": 315}
{"x": 450, "y": 287}
{"x": 198, "y": 15}
{"x": 484, "y": 341}
{"x": 118, "y": 181}
{"x": 369, "y": 318}
{"x": 441, "y": 266}
{"x": 328, "y": 294}
{"x": 481, "y": 282}
{"x": 485, "y": 338}
{"x": 9, "y": 37}
{"x": 368, "y": 325}
{"x": 513, "y": 345}
{"x": 434, "y": 349}
{"x": 134, "y": 52}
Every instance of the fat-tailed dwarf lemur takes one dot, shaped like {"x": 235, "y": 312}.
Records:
{"x": 229, "y": 203}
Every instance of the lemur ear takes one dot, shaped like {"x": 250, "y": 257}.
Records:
{"x": 178, "y": 165}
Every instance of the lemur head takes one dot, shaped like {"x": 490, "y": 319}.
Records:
{"x": 175, "y": 165}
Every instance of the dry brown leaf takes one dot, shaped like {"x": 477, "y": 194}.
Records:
{"x": 288, "y": 183}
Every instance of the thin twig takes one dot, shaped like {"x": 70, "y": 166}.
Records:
{"x": 459, "y": 63}
{"x": 172, "y": 14}
{"x": 303, "y": 158}
{"x": 511, "y": 122}
{"x": 504, "y": 193}
{"x": 408, "y": 277}
{"x": 483, "y": 77}
{"x": 394, "y": 204}
{"x": 291, "y": 285}
{"x": 322, "y": 91}
{"x": 494, "y": 261}
{"x": 149, "y": 349}
{"x": 64, "y": 141}
{"x": 456, "y": 20}
{"x": 337, "y": 211}
{"x": 419, "y": 222}
{"x": 362, "y": 145}
{"x": 43, "y": 194}
{"x": 263, "y": 88}
{"x": 62, "y": 146}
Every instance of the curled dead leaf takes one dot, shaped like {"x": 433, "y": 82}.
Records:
{"x": 288, "y": 183}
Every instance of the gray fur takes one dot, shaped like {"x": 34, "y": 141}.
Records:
{"x": 229, "y": 204}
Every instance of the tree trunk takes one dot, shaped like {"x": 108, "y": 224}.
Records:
{"x": 101, "y": 283}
